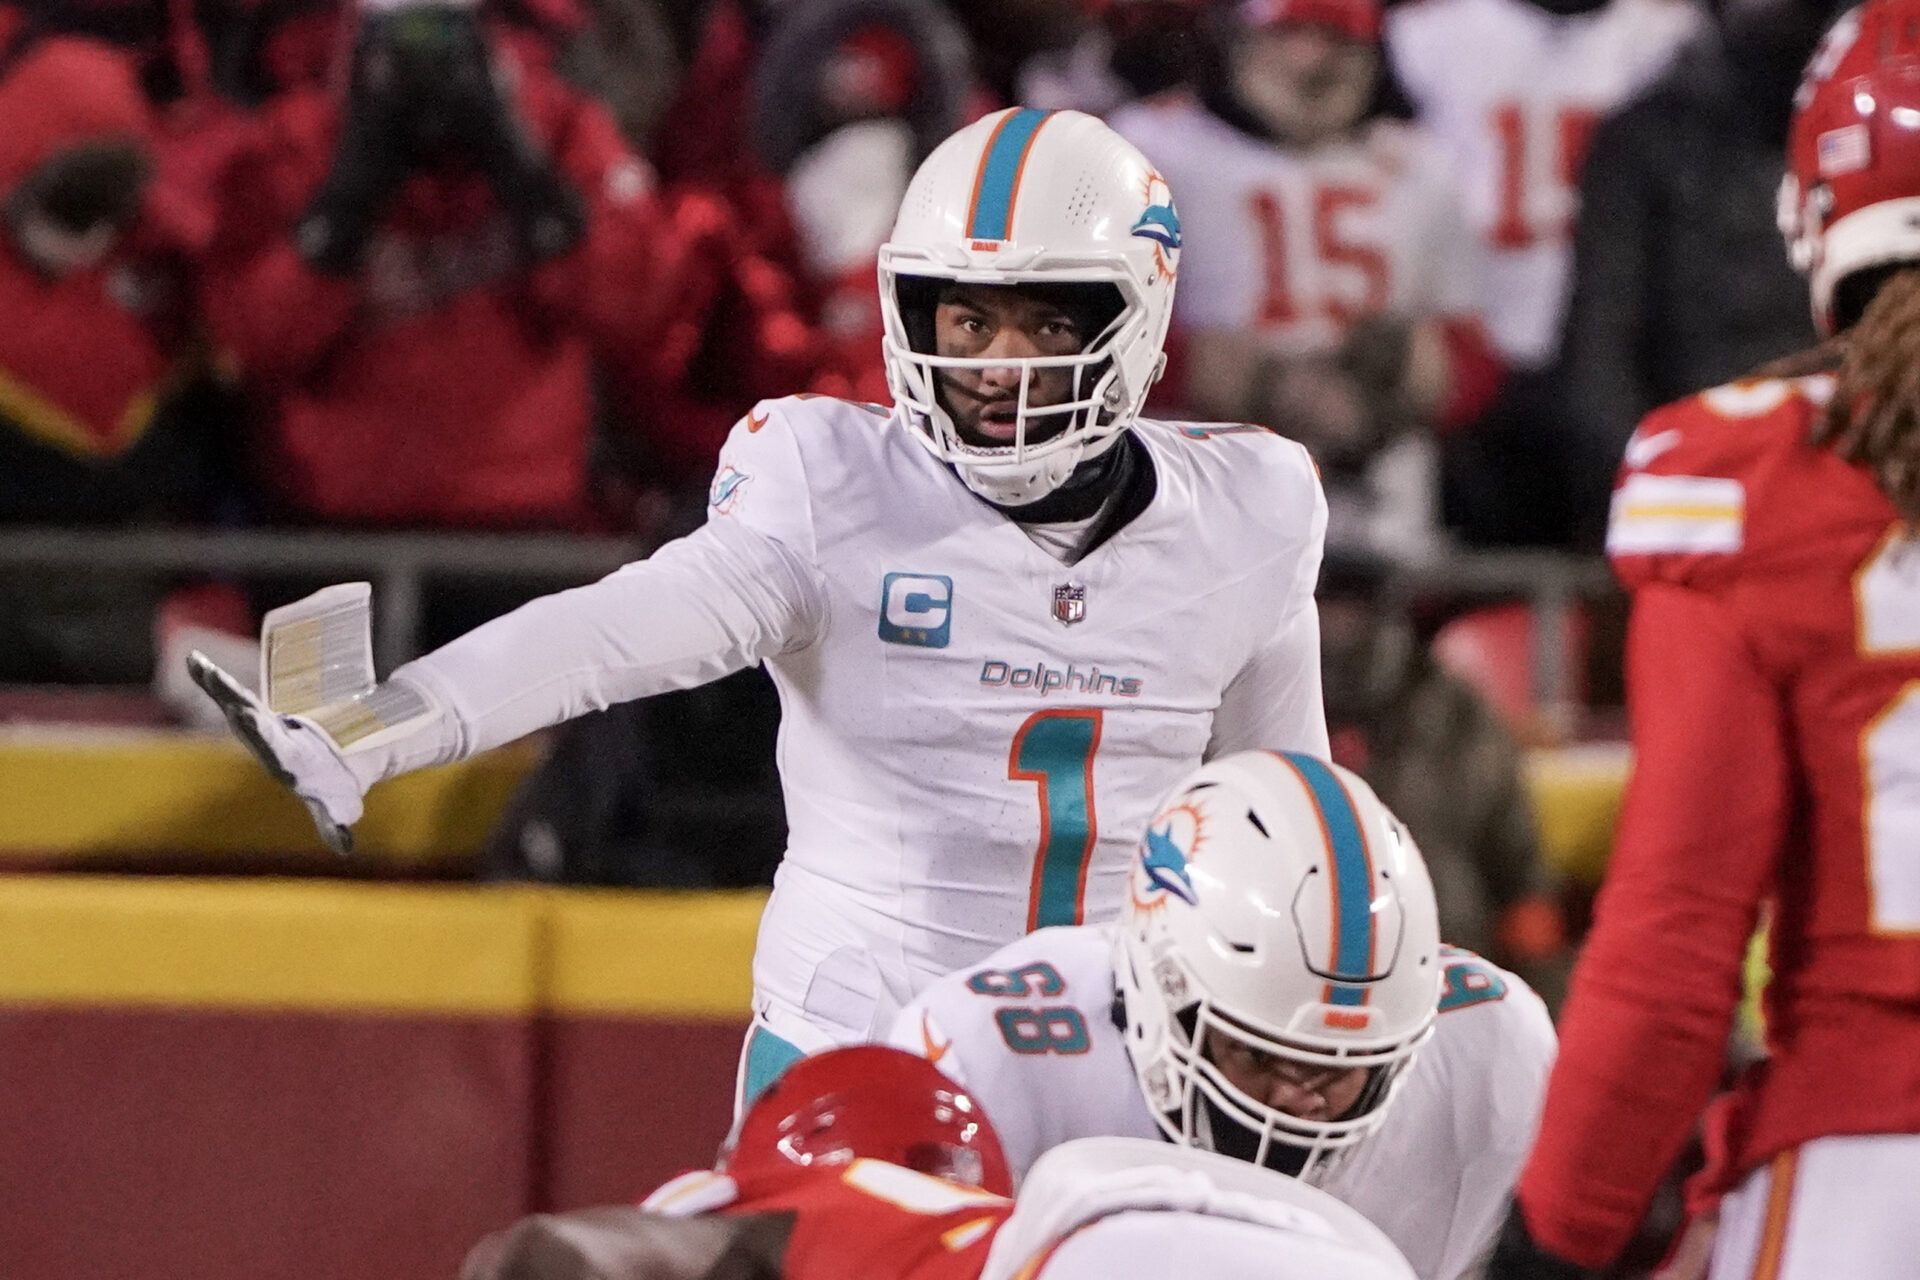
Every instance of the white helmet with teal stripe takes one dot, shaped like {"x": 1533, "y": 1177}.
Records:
{"x": 1038, "y": 198}
{"x": 1280, "y": 927}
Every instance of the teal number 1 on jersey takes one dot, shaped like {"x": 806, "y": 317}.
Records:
{"x": 1054, "y": 750}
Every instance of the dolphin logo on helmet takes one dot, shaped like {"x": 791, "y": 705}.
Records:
{"x": 1312, "y": 936}
{"x": 1166, "y": 863}
{"x": 1160, "y": 224}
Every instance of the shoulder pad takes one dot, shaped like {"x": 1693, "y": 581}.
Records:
{"x": 803, "y": 411}
{"x": 1086, "y": 1180}
{"x": 1490, "y": 1015}
{"x": 1246, "y": 443}
{"x": 1684, "y": 502}
{"x": 1270, "y": 477}
{"x": 690, "y": 1194}
{"x": 778, "y": 453}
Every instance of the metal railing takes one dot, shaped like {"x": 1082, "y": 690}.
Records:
{"x": 1553, "y": 584}
{"x": 400, "y": 565}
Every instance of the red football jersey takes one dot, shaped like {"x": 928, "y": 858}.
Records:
{"x": 1774, "y": 680}
{"x": 867, "y": 1218}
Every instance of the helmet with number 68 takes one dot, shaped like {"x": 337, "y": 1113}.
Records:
{"x": 1278, "y": 960}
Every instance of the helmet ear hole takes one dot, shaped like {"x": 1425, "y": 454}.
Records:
{"x": 1855, "y": 293}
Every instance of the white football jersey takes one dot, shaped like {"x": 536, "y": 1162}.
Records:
{"x": 1297, "y": 244}
{"x": 1136, "y": 1209}
{"x": 1514, "y": 92}
{"x": 973, "y": 733}
{"x": 1139, "y": 1245}
{"x": 1032, "y": 1035}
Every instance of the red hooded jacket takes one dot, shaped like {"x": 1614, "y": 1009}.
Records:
{"x": 444, "y": 385}
{"x": 90, "y": 354}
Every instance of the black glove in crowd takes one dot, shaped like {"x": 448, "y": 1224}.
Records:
{"x": 367, "y": 163}
{"x": 423, "y": 93}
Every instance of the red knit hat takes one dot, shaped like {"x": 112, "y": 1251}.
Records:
{"x": 66, "y": 90}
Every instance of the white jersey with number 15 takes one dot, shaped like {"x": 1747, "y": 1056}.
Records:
{"x": 1514, "y": 93}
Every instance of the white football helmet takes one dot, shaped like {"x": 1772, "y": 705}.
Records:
{"x": 1027, "y": 196}
{"x": 1277, "y": 902}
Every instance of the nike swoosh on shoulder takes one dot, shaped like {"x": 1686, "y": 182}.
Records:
{"x": 934, "y": 1051}
{"x": 1641, "y": 451}
{"x": 754, "y": 424}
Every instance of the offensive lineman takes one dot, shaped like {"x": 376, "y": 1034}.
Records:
{"x": 868, "y": 1164}
{"x": 1767, "y": 530}
{"x": 1277, "y": 971}
{"x": 1003, "y": 618}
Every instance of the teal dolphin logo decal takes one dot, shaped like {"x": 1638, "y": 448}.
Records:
{"x": 725, "y": 494}
{"x": 1159, "y": 224}
{"x": 1166, "y": 864}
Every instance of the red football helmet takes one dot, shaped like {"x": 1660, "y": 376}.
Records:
{"x": 1851, "y": 197}
{"x": 869, "y": 1102}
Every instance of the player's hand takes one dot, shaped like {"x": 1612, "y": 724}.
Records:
{"x": 291, "y": 748}
{"x": 1517, "y": 1256}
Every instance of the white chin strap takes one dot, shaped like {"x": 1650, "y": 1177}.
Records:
{"x": 1015, "y": 484}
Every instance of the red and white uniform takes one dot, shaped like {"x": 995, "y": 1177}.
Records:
{"x": 1105, "y": 1209}
{"x": 865, "y": 1218}
{"x": 1514, "y": 92}
{"x": 1297, "y": 244}
{"x": 1774, "y": 675}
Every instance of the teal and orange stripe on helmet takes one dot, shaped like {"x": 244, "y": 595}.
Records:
{"x": 996, "y": 186}
{"x": 1351, "y": 863}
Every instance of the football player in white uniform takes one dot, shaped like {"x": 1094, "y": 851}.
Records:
{"x": 1003, "y": 617}
{"x": 1276, "y": 991}
{"x": 1333, "y": 287}
{"x": 1514, "y": 87}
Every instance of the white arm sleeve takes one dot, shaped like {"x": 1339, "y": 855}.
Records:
{"x": 1274, "y": 702}
{"x": 720, "y": 599}
{"x": 1497, "y": 1117}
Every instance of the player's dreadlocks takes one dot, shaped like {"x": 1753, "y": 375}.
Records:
{"x": 1873, "y": 419}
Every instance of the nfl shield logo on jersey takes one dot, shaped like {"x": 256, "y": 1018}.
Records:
{"x": 1069, "y": 603}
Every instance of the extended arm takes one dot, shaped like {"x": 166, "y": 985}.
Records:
{"x": 722, "y": 598}
{"x": 1705, "y": 819}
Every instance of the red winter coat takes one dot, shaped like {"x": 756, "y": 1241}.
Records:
{"x": 443, "y": 385}
{"x": 86, "y": 357}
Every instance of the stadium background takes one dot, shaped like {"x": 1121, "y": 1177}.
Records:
{"x": 226, "y": 1053}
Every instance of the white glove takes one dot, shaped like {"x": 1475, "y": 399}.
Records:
{"x": 293, "y": 749}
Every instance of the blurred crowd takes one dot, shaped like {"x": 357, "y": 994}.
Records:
{"x": 518, "y": 264}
